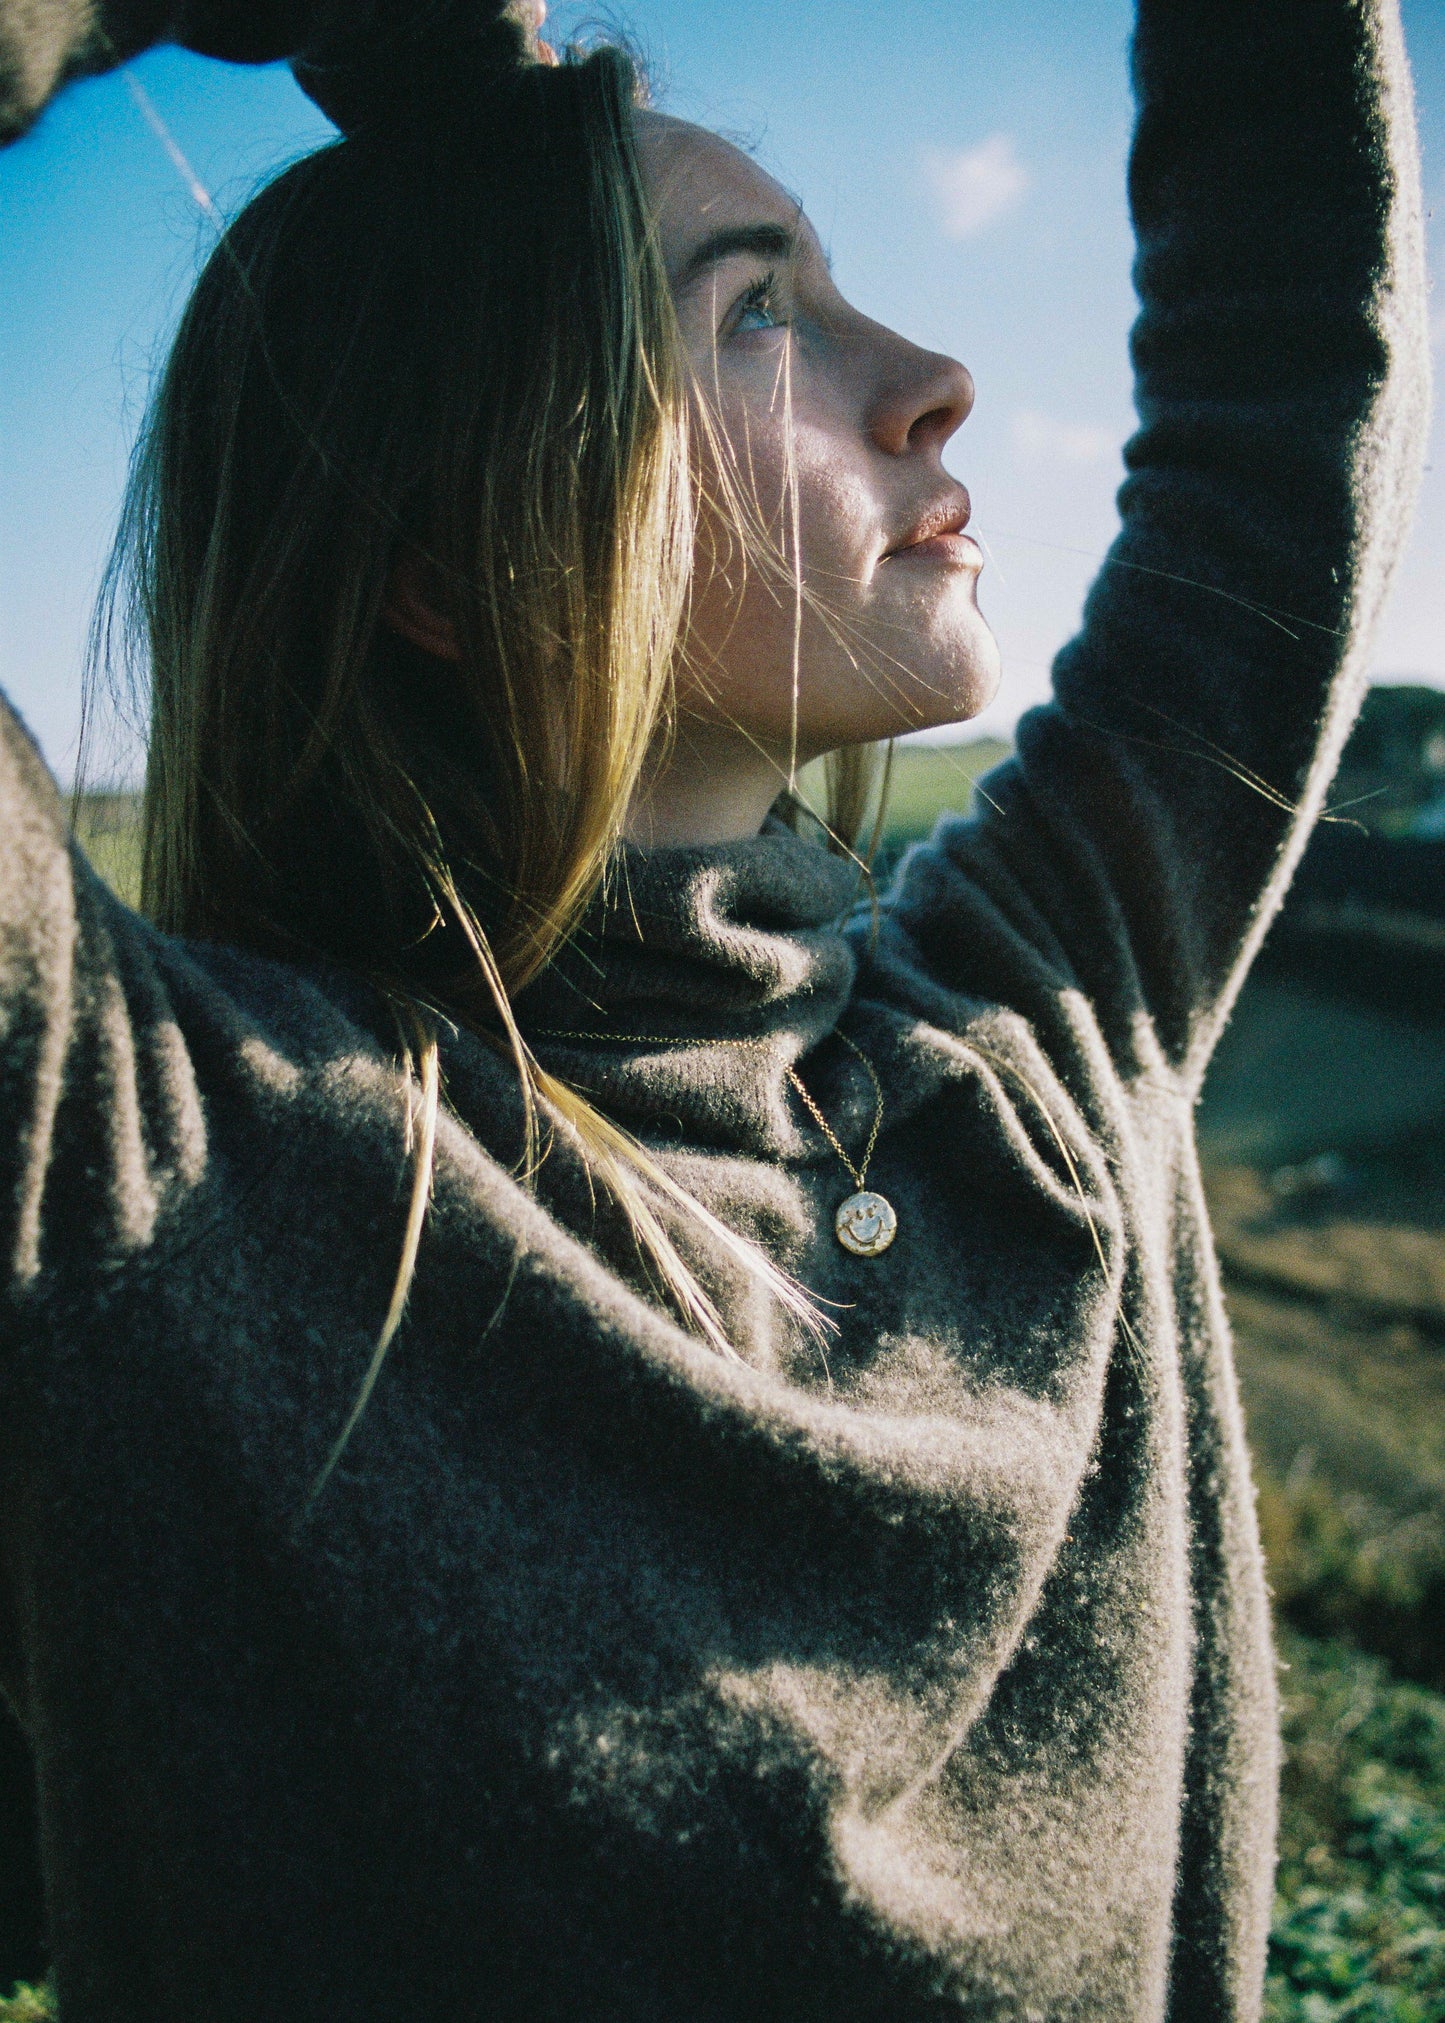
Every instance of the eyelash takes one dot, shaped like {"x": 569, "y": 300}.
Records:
{"x": 761, "y": 296}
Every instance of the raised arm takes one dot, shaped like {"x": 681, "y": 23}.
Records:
{"x": 1146, "y": 832}
{"x": 46, "y": 44}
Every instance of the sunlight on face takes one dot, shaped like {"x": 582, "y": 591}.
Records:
{"x": 827, "y": 429}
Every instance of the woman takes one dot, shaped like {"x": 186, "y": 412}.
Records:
{"x": 771, "y": 1534}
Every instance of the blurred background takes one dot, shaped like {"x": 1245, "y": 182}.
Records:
{"x": 964, "y": 164}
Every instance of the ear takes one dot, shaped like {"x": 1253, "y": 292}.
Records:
{"x": 410, "y": 607}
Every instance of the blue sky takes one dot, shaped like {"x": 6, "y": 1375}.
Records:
{"x": 963, "y": 160}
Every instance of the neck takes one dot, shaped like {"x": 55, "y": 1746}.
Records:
{"x": 711, "y": 786}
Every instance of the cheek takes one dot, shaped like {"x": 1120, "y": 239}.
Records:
{"x": 779, "y": 463}
{"x": 768, "y": 512}
{"x": 838, "y": 521}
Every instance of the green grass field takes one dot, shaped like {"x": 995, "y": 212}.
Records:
{"x": 930, "y": 780}
{"x": 1336, "y": 1281}
{"x": 107, "y": 827}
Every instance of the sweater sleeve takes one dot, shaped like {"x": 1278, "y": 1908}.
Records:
{"x": 1144, "y": 835}
{"x": 100, "y": 1117}
{"x": 47, "y": 44}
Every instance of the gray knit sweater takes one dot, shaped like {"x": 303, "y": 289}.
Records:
{"x": 609, "y": 1679}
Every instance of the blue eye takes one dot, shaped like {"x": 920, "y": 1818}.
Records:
{"x": 758, "y": 309}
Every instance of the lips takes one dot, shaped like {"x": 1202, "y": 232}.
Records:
{"x": 939, "y": 530}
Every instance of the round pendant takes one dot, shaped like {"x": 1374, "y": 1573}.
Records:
{"x": 866, "y": 1224}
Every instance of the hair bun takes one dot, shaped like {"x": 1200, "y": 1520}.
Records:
{"x": 397, "y": 62}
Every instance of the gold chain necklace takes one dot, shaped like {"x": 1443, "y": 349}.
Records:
{"x": 865, "y": 1223}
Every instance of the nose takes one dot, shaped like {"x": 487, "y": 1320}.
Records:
{"x": 919, "y": 401}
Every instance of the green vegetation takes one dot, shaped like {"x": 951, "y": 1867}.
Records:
{"x": 27, "y": 2005}
{"x": 1336, "y": 1272}
{"x": 930, "y": 779}
{"x": 107, "y": 827}
{"x": 1359, "y": 1931}
{"x": 925, "y": 781}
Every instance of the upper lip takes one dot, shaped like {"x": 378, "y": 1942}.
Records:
{"x": 948, "y": 516}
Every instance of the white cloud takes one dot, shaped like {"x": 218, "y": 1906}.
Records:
{"x": 973, "y": 186}
{"x": 1041, "y": 439}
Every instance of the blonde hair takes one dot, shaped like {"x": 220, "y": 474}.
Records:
{"x": 457, "y": 345}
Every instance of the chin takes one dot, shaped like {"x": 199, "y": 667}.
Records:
{"x": 941, "y": 680}
{"x": 951, "y": 688}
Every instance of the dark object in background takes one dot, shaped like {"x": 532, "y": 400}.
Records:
{"x": 1366, "y": 920}
{"x": 1365, "y": 917}
{"x": 1338, "y": 1040}
{"x": 1392, "y": 773}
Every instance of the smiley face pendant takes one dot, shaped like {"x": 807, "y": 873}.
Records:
{"x": 866, "y": 1224}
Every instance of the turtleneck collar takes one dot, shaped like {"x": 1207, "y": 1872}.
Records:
{"x": 700, "y": 970}
{"x": 734, "y": 939}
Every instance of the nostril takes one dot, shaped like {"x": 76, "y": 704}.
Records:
{"x": 937, "y": 425}
{"x": 944, "y": 400}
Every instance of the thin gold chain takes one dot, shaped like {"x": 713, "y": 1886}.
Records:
{"x": 858, "y": 1174}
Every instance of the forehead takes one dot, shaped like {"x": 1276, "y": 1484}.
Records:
{"x": 700, "y": 184}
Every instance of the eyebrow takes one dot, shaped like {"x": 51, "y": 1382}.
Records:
{"x": 771, "y": 242}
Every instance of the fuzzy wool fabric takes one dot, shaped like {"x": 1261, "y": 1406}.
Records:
{"x": 47, "y": 44}
{"x": 921, "y": 1673}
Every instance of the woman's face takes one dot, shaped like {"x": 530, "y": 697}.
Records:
{"x": 796, "y": 382}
